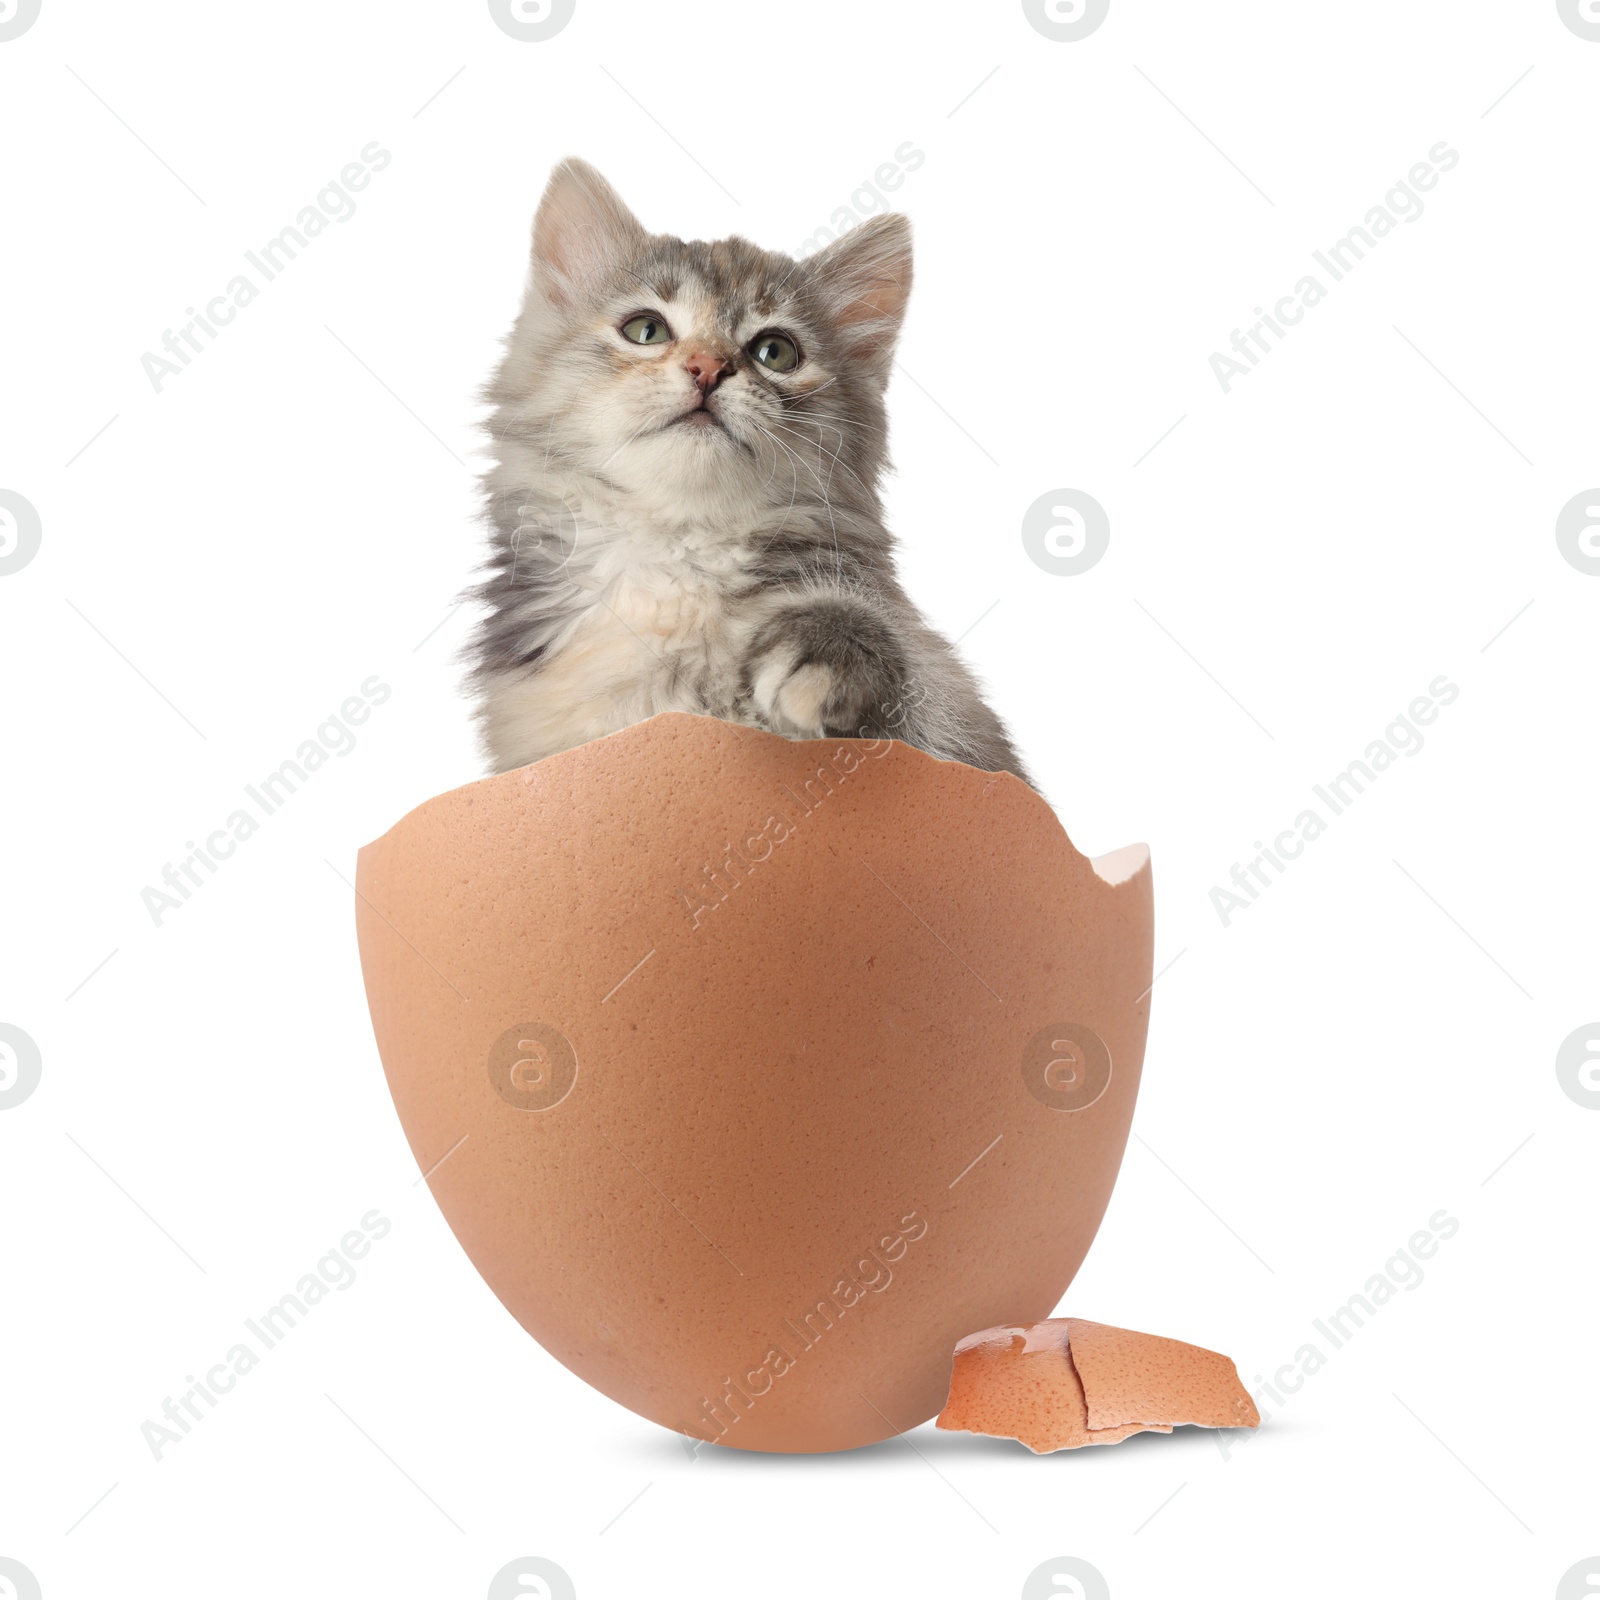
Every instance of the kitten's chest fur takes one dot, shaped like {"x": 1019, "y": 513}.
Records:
{"x": 637, "y": 623}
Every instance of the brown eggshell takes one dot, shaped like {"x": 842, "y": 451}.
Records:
{"x": 1141, "y": 1377}
{"x": 1064, "y": 1383}
{"x": 1020, "y": 1383}
{"x": 752, "y": 1073}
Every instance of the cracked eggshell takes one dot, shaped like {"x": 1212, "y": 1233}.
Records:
{"x": 1020, "y": 1383}
{"x": 764, "y": 1069}
{"x": 1142, "y": 1378}
{"x": 1064, "y": 1383}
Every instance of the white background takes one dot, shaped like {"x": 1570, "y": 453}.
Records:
{"x": 1372, "y": 1041}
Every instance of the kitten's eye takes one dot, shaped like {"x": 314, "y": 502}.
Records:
{"x": 776, "y": 351}
{"x": 647, "y": 330}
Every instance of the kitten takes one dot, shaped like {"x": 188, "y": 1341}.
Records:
{"x": 688, "y": 439}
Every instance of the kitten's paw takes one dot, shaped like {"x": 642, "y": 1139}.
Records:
{"x": 812, "y": 699}
{"x": 793, "y": 698}
{"x": 829, "y": 669}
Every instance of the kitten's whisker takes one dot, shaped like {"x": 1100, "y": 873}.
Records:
{"x": 794, "y": 487}
{"x": 794, "y": 480}
{"x": 775, "y": 463}
{"x": 822, "y": 419}
{"x": 822, "y": 491}
{"x": 837, "y": 459}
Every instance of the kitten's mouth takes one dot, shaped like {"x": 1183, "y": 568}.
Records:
{"x": 699, "y": 417}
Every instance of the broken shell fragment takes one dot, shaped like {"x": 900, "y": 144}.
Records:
{"x": 1142, "y": 1378}
{"x": 1065, "y": 1383}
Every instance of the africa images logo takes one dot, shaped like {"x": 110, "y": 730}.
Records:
{"x": 531, "y": 21}
{"x": 16, "y": 17}
{"x": 21, "y": 532}
{"x": 1066, "y": 21}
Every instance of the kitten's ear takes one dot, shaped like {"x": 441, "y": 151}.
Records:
{"x": 864, "y": 280}
{"x": 580, "y": 232}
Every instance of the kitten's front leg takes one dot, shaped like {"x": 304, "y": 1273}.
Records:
{"x": 827, "y": 668}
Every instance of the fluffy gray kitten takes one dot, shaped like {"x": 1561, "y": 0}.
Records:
{"x": 688, "y": 439}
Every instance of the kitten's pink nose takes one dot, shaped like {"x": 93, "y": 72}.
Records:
{"x": 707, "y": 369}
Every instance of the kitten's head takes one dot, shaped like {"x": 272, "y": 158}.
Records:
{"x": 702, "y": 378}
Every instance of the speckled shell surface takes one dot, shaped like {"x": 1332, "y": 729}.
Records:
{"x": 1065, "y": 1383}
{"x": 1022, "y": 1384}
{"x": 1133, "y": 1377}
{"x": 770, "y": 1068}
